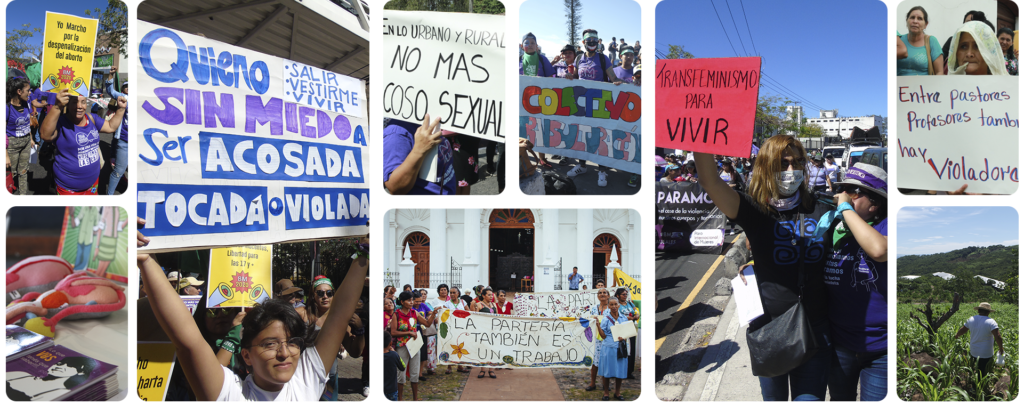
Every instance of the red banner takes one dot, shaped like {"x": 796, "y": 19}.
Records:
{"x": 707, "y": 105}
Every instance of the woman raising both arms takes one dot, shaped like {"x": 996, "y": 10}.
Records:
{"x": 282, "y": 365}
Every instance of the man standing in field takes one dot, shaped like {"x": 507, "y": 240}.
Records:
{"x": 984, "y": 331}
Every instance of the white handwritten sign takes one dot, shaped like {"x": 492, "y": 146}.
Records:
{"x": 321, "y": 89}
{"x": 956, "y": 130}
{"x": 487, "y": 340}
{"x": 226, "y": 158}
{"x": 571, "y": 303}
{"x": 448, "y": 65}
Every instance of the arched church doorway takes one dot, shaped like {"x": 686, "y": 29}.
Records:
{"x": 419, "y": 247}
{"x": 603, "y": 255}
{"x": 511, "y": 248}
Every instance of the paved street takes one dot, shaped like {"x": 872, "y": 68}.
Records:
{"x": 586, "y": 183}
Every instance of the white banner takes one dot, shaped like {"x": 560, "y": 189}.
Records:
{"x": 448, "y": 65}
{"x": 485, "y": 340}
{"x": 569, "y": 303}
{"x": 226, "y": 158}
{"x": 587, "y": 120}
{"x": 956, "y": 130}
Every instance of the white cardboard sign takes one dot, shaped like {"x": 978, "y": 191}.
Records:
{"x": 956, "y": 130}
{"x": 447, "y": 65}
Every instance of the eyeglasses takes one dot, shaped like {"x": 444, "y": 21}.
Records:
{"x": 294, "y": 346}
{"x": 322, "y": 293}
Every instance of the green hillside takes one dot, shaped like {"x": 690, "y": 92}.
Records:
{"x": 997, "y": 262}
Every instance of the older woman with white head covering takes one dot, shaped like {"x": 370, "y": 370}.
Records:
{"x": 976, "y": 51}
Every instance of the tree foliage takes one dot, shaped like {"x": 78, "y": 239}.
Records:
{"x": 677, "y": 52}
{"x": 573, "y": 20}
{"x": 811, "y": 130}
{"x": 771, "y": 115}
{"x": 114, "y": 23}
{"x": 20, "y": 46}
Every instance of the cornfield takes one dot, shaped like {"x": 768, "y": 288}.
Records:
{"x": 944, "y": 371}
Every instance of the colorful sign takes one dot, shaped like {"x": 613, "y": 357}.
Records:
{"x": 68, "y": 43}
{"x": 956, "y": 130}
{"x": 447, "y": 65}
{"x": 623, "y": 280}
{"x": 495, "y": 341}
{"x": 239, "y": 276}
{"x": 226, "y": 157}
{"x": 707, "y": 105}
{"x": 93, "y": 238}
{"x": 588, "y": 120}
{"x": 571, "y": 303}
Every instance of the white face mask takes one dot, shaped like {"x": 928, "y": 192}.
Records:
{"x": 789, "y": 182}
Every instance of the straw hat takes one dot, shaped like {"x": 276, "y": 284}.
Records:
{"x": 984, "y": 306}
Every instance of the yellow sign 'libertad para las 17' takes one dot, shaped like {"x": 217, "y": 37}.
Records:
{"x": 68, "y": 46}
{"x": 239, "y": 276}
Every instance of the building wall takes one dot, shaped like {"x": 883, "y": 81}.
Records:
{"x": 570, "y": 247}
{"x": 844, "y": 125}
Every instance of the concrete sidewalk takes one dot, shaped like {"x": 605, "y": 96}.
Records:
{"x": 724, "y": 373}
{"x": 514, "y": 385}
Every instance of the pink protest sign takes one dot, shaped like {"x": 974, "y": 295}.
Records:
{"x": 707, "y": 105}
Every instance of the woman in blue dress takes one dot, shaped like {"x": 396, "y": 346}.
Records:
{"x": 612, "y": 367}
{"x": 597, "y": 311}
{"x": 628, "y": 309}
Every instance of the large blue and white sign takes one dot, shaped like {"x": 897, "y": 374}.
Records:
{"x": 237, "y": 147}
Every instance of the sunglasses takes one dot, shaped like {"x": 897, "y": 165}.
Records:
{"x": 852, "y": 189}
{"x": 322, "y": 293}
{"x": 795, "y": 163}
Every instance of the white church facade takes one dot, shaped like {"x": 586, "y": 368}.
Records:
{"x": 509, "y": 249}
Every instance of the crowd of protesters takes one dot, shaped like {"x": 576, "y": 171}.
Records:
{"x": 584, "y": 61}
{"x": 413, "y": 313}
{"x": 62, "y": 131}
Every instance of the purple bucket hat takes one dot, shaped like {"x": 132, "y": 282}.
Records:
{"x": 869, "y": 177}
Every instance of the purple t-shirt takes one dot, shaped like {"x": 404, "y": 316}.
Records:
{"x": 19, "y": 123}
{"x": 589, "y": 68}
{"x": 77, "y": 164}
{"x": 398, "y": 143}
{"x": 625, "y": 75}
{"x": 857, "y": 285}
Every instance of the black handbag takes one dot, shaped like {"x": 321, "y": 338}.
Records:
{"x": 623, "y": 350}
{"x": 779, "y": 345}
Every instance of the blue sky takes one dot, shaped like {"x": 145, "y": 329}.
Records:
{"x": 832, "y": 53}
{"x": 930, "y": 230}
{"x": 34, "y": 12}
{"x": 546, "y": 19}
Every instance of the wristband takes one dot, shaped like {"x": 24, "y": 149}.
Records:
{"x": 843, "y": 207}
{"x": 231, "y": 341}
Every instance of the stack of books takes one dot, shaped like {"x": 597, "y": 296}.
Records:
{"x": 38, "y": 370}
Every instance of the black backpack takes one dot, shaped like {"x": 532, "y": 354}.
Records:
{"x": 556, "y": 183}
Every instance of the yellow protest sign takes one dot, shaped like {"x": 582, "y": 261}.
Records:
{"x": 156, "y": 359}
{"x": 68, "y": 43}
{"x": 626, "y": 281}
{"x": 239, "y": 276}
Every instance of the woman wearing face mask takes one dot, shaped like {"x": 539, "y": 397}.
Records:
{"x": 596, "y": 312}
{"x": 976, "y": 51}
{"x": 779, "y": 215}
{"x": 76, "y": 133}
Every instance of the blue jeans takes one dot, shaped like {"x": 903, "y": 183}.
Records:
{"x": 120, "y": 163}
{"x": 83, "y": 256}
{"x": 809, "y": 381}
{"x": 849, "y": 366}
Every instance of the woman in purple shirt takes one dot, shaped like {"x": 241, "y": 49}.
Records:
{"x": 17, "y": 128}
{"x": 76, "y": 133}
